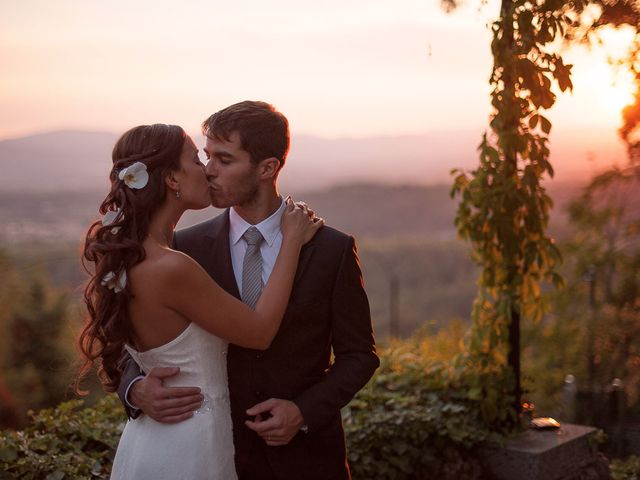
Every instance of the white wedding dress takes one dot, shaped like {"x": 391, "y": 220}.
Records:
{"x": 198, "y": 448}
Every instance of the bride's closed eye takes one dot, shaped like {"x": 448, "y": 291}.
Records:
{"x": 197, "y": 161}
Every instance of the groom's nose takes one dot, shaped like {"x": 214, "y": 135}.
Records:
{"x": 211, "y": 170}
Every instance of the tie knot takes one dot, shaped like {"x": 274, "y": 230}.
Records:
{"x": 253, "y": 236}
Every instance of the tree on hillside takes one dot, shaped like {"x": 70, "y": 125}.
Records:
{"x": 8, "y": 407}
{"x": 36, "y": 361}
{"x": 504, "y": 208}
{"x": 593, "y": 331}
{"x": 607, "y": 254}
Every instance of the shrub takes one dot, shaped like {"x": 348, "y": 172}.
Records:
{"x": 68, "y": 442}
{"x": 414, "y": 420}
{"x": 628, "y": 469}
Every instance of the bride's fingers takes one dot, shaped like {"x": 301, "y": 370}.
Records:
{"x": 289, "y": 206}
{"x": 312, "y": 228}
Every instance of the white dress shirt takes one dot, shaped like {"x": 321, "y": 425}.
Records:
{"x": 270, "y": 230}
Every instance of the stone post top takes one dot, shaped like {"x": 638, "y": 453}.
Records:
{"x": 540, "y": 441}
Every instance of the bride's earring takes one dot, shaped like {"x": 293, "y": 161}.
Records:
{"x": 177, "y": 193}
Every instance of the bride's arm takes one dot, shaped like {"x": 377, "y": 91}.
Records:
{"x": 191, "y": 291}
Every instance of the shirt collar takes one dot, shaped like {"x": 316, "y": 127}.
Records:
{"x": 269, "y": 227}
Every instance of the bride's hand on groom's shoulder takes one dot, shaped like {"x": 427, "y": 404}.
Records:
{"x": 299, "y": 222}
{"x": 164, "y": 404}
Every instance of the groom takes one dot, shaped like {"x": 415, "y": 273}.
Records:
{"x": 286, "y": 400}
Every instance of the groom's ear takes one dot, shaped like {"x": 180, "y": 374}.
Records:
{"x": 268, "y": 168}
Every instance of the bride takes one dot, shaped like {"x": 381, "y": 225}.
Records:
{"x": 165, "y": 310}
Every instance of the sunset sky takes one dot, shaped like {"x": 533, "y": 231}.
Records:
{"x": 337, "y": 68}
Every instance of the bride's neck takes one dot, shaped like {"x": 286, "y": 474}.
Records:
{"x": 163, "y": 223}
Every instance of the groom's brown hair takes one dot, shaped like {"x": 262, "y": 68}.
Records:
{"x": 264, "y": 131}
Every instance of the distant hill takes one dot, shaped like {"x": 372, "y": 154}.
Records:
{"x": 77, "y": 160}
{"x": 50, "y": 184}
{"x": 364, "y": 210}
{"x": 387, "y": 211}
{"x": 66, "y": 160}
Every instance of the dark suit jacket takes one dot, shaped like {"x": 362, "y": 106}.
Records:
{"x": 328, "y": 311}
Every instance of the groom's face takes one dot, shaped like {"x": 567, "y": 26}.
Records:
{"x": 233, "y": 177}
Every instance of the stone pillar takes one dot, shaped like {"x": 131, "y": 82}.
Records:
{"x": 563, "y": 454}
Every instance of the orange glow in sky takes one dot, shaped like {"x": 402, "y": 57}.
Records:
{"x": 337, "y": 68}
{"x": 611, "y": 87}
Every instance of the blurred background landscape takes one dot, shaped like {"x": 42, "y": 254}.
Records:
{"x": 419, "y": 276}
{"x": 383, "y": 100}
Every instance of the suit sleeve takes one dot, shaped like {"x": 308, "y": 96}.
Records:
{"x": 352, "y": 342}
{"x": 130, "y": 370}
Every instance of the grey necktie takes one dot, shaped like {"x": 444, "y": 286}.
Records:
{"x": 252, "y": 267}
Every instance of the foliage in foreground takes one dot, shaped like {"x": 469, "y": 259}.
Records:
{"x": 628, "y": 469}
{"x": 412, "y": 421}
{"x": 417, "y": 419}
{"x": 68, "y": 442}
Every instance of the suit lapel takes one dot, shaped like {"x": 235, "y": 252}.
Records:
{"x": 218, "y": 262}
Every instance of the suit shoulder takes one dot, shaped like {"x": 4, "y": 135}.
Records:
{"x": 198, "y": 230}
{"x": 330, "y": 234}
{"x": 329, "y": 238}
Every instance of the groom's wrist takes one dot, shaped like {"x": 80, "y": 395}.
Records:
{"x": 126, "y": 394}
{"x": 304, "y": 428}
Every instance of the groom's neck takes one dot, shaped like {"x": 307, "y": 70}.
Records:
{"x": 261, "y": 207}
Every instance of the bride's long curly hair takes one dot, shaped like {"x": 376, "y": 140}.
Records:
{"x": 117, "y": 247}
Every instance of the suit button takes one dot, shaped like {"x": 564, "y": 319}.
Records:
{"x": 259, "y": 355}
{"x": 258, "y": 393}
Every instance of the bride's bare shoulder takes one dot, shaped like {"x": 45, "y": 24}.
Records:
{"x": 175, "y": 262}
{"x": 165, "y": 265}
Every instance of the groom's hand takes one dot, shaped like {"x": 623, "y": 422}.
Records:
{"x": 164, "y": 404}
{"x": 283, "y": 423}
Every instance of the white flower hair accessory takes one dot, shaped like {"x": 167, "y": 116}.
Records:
{"x": 114, "y": 282}
{"x": 135, "y": 176}
{"x": 109, "y": 218}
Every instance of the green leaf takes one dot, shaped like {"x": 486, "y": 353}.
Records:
{"x": 57, "y": 475}
{"x": 8, "y": 454}
{"x": 545, "y": 124}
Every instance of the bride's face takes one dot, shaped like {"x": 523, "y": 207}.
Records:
{"x": 193, "y": 185}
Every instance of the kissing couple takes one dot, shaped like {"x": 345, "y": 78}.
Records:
{"x": 233, "y": 344}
